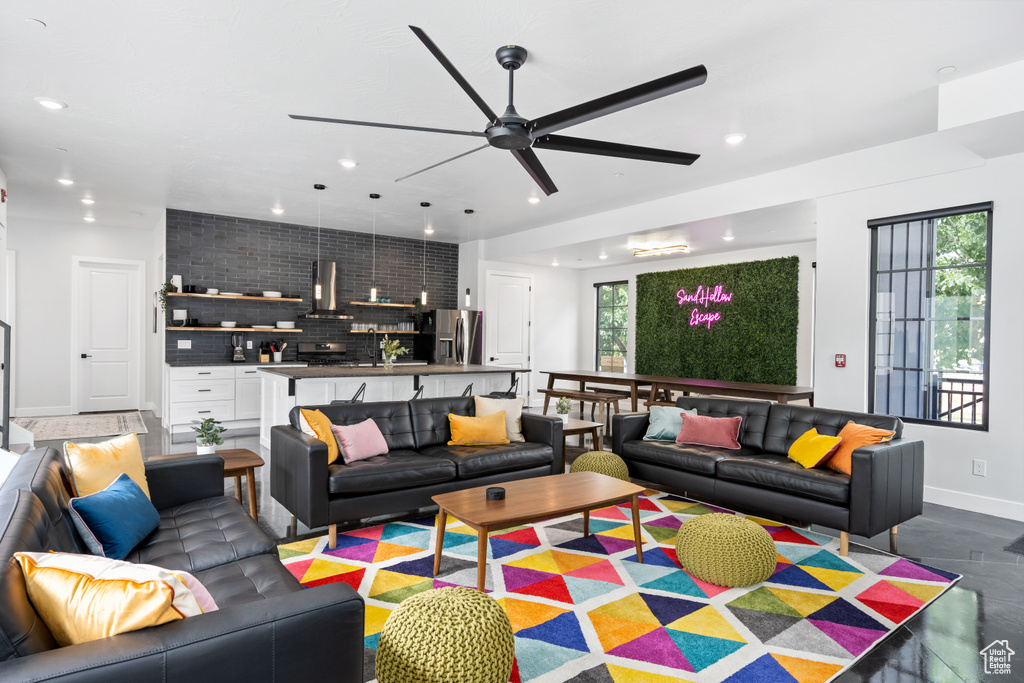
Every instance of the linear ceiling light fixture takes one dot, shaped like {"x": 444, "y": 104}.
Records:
{"x": 423, "y": 294}
{"x": 660, "y": 251}
{"x": 373, "y": 267}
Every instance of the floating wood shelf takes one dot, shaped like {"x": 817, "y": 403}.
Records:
{"x": 376, "y": 303}
{"x": 223, "y": 296}
{"x": 384, "y": 332}
{"x": 171, "y": 328}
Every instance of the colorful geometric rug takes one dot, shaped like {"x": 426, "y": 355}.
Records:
{"x": 585, "y": 611}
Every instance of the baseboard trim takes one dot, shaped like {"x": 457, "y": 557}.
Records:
{"x": 43, "y": 411}
{"x": 1007, "y": 509}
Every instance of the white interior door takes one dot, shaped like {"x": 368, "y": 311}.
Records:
{"x": 109, "y": 335}
{"x": 507, "y": 323}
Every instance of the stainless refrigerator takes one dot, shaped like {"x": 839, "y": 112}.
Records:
{"x": 451, "y": 337}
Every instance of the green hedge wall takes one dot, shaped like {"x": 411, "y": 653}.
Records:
{"x": 755, "y": 339}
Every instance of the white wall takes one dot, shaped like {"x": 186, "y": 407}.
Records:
{"x": 155, "y": 273}
{"x": 42, "y": 326}
{"x": 805, "y": 251}
{"x": 555, "y": 330}
{"x": 842, "y": 327}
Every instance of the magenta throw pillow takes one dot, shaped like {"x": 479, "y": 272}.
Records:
{"x": 360, "y": 441}
{"x": 701, "y": 430}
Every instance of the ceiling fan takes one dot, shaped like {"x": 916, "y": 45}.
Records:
{"x": 521, "y": 136}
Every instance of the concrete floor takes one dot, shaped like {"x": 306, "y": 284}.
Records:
{"x": 940, "y": 644}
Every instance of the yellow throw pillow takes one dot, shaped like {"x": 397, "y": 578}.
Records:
{"x": 94, "y": 466}
{"x": 321, "y": 427}
{"x": 83, "y": 597}
{"x": 812, "y": 448}
{"x": 488, "y": 430}
{"x": 513, "y": 408}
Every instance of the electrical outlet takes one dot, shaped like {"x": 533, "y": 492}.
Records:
{"x": 184, "y": 343}
{"x": 979, "y": 468}
{"x": 248, "y": 344}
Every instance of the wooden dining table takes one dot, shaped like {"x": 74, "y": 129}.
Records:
{"x": 653, "y": 385}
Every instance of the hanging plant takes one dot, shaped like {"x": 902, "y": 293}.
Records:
{"x": 162, "y": 294}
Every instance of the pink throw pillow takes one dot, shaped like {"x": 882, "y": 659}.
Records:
{"x": 701, "y": 430}
{"x": 360, "y": 441}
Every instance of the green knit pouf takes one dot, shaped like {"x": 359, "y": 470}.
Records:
{"x": 602, "y": 462}
{"x": 447, "y": 635}
{"x": 726, "y": 550}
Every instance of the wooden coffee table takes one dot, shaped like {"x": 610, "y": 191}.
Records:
{"x": 533, "y": 500}
{"x": 238, "y": 462}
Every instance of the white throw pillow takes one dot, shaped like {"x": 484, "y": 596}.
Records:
{"x": 513, "y": 408}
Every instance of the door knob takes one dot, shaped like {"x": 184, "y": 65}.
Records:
{"x": 493, "y": 358}
{"x": 86, "y": 355}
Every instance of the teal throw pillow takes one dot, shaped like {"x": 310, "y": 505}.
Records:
{"x": 114, "y": 520}
{"x": 666, "y": 421}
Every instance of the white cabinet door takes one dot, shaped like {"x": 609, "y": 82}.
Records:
{"x": 247, "y": 398}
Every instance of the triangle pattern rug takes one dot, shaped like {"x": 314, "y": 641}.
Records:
{"x": 584, "y": 610}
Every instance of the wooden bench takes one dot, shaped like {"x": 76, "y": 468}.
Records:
{"x": 596, "y": 398}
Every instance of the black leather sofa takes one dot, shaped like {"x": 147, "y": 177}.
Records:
{"x": 886, "y": 486}
{"x": 419, "y": 463}
{"x": 268, "y": 628}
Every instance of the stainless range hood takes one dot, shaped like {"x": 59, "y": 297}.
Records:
{"x": 324, "y": 293}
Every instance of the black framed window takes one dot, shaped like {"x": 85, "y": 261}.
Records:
{"x": 612, "y": 334}
{"x": 930, "y": 313}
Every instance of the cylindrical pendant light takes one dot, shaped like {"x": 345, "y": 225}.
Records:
{"x": 318, "y": 293}
{"x": 373, "y": 267}
{"x": 468, "y": 212}
{"x": 423, "y": 294}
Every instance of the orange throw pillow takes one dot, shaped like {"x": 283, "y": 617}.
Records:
{"x": 853, "y": 437}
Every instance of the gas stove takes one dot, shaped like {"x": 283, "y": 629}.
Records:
{"x": 344, "y": 363}
{"x": 324, "y": 353}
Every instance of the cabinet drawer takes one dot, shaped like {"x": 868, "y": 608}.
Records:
{"x": 202, "y": 373}
{"x": 246, "y": 371}
{"x": 183, "y": 413}
{"x": 202, "y": 390}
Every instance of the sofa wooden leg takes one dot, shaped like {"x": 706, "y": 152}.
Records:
{"x": 332, "y": 536}
{"x": 844, "y": 543}
{"x": 892, "y": 541}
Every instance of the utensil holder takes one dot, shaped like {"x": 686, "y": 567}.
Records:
{"x": 277, "y": 356}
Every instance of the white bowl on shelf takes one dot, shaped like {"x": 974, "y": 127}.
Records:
{"x": 286, "y": 324}
{"x": 272, "y": 295}
{"x": 228, "y": 323}
{"x": 263, "y": 327}
{"x": 212, "y": 290}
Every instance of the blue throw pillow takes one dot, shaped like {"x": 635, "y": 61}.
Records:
{"x": 114, "y": 520}
{"x": 666, "y": 421}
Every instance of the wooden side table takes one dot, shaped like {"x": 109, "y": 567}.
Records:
{"x": 238, "y": 463}
{"x": 581, "y": 427}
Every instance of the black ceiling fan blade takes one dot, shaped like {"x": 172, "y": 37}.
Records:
{"x": 441, "y": 163}
{"x": 528, "y": 158}
{"x": 564, "y": 143}
{"x": 447, "y": 131}
{"x": 454, "y": 73}
{"x": 624, "y": 99}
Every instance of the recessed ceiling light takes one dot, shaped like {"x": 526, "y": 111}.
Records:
{"x": 89, "y": 219}
{"x": 35, "y": 23}
{"x": 728, "y": 238}
{"x": 618, "y": 175}
{"x": 50, "y": 103}
{"x": 735, "y": 138}
{"x": 555, "y": 262}
{"x": 535, "y": 200}
{"x": 603, "y": 256}
{"x": 65, "y": 181}
{"x": 348, "y": 163}
{"x": 276, "y": 210}
{"x": 946, "y": 70}
{"x": 428, "y": 231}
{"x": 660, "y": 251}
{"x": 86, "y": 200}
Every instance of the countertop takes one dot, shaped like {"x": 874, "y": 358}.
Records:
{"x": 255, "y": 363}
{"x": 398, "y": 371}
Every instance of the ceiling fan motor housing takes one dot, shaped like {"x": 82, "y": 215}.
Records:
{"x": 511, "y": 56}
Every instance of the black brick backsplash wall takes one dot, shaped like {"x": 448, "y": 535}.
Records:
{"x": 242, "y": 255}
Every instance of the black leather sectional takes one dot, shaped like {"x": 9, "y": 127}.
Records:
{"x": 886, "y": 487}
{"x": 268, "y": 628}
{"x": 419, "y": 463}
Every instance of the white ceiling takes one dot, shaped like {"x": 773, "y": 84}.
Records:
{"x": 184, "y": 104}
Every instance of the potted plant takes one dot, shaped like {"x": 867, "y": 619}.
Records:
{"x": 392, "y": 349}
{"x": 562, "y": 407}
{"x": 162, "y": 294}
{"x": 208, "y": 433}
{"x": 417, "y": 314}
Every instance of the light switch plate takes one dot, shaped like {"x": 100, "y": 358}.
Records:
{"x": 184, "y": 343}
{"x": 248, "y": 344}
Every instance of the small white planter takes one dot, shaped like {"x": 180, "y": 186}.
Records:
{"x": 205, "y": 450}
{"x": 564, "y": 417}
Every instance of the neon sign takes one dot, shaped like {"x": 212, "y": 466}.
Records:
{"x": 702, "y": 297}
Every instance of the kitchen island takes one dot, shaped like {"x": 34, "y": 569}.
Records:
{"x": 286, "y": 387}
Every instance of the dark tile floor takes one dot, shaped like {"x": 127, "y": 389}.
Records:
{"x": 939, "y": 644}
